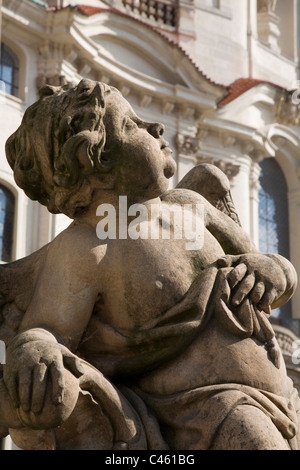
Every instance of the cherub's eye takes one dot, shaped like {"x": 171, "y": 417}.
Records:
{"x": 84, "y": 91}
{"x": 129, "y": 124}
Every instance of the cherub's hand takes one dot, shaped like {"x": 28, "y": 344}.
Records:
{"x": 34, "y": 368}
{"x": 256, "y": 276}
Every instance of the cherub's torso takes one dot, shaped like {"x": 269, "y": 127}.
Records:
{"x": 141, "y": 279}
{"x": 137, "y": 281}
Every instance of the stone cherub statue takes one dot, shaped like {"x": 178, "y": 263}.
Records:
{"x": 136, "y": 342}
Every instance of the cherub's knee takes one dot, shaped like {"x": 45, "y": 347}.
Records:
{"x": 248, "y": 428}
{"x": 8, "y": 414}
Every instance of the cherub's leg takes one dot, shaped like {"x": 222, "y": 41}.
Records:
{"x": 8, "y": 414}
{"x": 248, "y": 428}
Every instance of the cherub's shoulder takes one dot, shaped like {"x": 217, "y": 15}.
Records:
{"x": 77, "y": 246}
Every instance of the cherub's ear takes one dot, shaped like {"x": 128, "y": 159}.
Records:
{"x": 106, "y": 181}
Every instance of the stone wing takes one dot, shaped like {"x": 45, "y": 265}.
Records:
{"x": 209, "y": 181}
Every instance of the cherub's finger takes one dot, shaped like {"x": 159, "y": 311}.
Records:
{"x": 257, "y": 292}
{"x": 224, "y": 262}
{"x": 72, "y": 362}
{"x": 57, "y": 374}
{"x": 268, "y": 299}
{"x": 236, "y": 275}
{"x": 243, "y": 289}
{"x": 25, "y": 386}
{"x": 228, "y": 261}
{"x": 39, "y": 387}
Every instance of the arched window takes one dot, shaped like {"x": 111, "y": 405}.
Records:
{"x": 9, "y": 70}
{"x": 273, "y": 215}
{"x": 7, "y": 206}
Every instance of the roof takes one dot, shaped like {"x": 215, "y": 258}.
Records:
{"x": 239, "y": 87}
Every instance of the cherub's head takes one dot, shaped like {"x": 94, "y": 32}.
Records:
{"x": 75, "y": 141}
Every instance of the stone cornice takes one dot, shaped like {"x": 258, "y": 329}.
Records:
{"x": 66, "y": 53}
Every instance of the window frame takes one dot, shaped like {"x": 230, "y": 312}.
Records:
{"x": 11, "y": 230}
{"x": 283, "y": 238}
{"x": 11, "y": 87}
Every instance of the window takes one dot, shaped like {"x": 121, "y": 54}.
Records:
{"x": 273, "y": 216}
{"x": 7, "y": 206}
{"x": 9, "y": 70}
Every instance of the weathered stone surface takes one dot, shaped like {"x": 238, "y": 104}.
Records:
{"x": 132, "y": 330}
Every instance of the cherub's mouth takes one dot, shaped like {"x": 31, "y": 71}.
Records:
{"x": 164, "y": 144}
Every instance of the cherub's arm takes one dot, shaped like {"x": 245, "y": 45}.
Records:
{"x": 52, "y": 326}
{"x": 64, "y": 296}
{"x": 231, "y": 236}
{"x": 269, "y": 279}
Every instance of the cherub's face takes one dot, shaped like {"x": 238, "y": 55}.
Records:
{"x": 143, "y": 158}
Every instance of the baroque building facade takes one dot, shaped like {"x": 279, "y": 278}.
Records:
{"x": 223, "y": 77}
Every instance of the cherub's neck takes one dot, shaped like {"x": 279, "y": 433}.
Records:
{"x": 119, "y": 206}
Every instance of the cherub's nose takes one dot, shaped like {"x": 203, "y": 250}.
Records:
{"x": 156, "y": 129}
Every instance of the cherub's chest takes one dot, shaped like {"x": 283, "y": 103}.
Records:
{"x": 144, "y": 278}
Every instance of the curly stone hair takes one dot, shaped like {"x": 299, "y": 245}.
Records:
{"x": 59, "y": 146}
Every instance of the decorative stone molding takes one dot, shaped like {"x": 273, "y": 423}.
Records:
{"x": 71, "y": 54}
{"x": 247, "y": 147}
{"x": 202, "y": 134}
{"x": 186, "y": 144}
{"x": 286, "y": 339}
{"x": 145, "y": 100}
{"x": 188, "y": 111}
{"x": 230, "y": 169}
{"x": 84, "y": 68}
{"x": 268, "y": 24}
{"x": 55, "y": 64}
{"x": 254, "y": 183}
{"x": 287, "y": 111}
{"x": 125, "y": 90}
{"x": 228, "y": 140}
{"x": 167, "y": 107}
{"x": 54, "y": 80}
{"x": 266, "y": 6}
